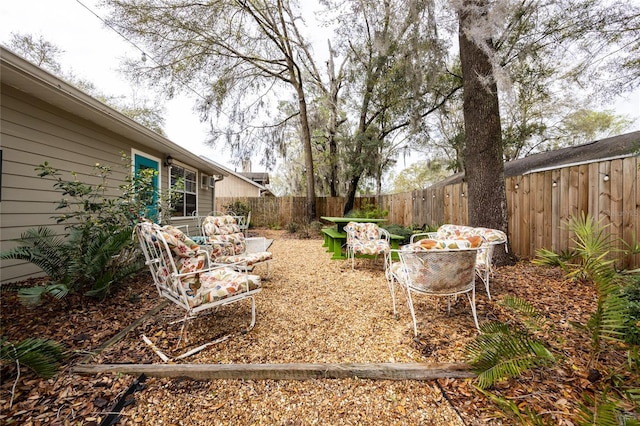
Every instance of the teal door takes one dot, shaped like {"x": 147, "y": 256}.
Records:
{"x": 150, "y": 195}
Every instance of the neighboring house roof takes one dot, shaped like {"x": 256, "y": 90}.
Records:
{"x": 259, "y": 177}
{"x": 242, "y": 176}
{"x": 31, "y": 79}
{"x": 626, "y": 145}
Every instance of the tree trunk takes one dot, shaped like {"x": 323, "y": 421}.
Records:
{"x": 308, "y": 158}
{"x": 483, "y": 153}
{"x": 351, "y": 194}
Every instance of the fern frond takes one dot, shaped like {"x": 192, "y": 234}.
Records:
{"x": 42, "y": 356}
{"x": 45, "y": 249}
{"x": 33, "y": 295}
{"x": 525, "y": 308}
{"x": 504, "y": 353}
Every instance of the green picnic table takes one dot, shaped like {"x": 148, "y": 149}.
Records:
{"x": 335, "y": 237}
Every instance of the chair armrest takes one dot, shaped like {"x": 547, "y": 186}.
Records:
{"x": 385, "y": 235}
{"x": 429, "y": 235}
{"x": 255, "y": 244}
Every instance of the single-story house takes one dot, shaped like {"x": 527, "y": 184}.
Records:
{"x": 240, "y": 184}
{"x": 43, "y": 118}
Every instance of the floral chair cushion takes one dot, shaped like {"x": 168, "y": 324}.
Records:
{"x": 250, "y": 258}
{"x": 218, "y": 284}
{"x": 364, "y": 238}
{"x": 224, "y": 236}
{"x": 450, "y": 231}
{"x": 437, "y": 244}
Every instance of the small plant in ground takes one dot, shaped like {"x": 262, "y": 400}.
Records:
{"x": 292, "y": 227}
{"x": 42, "y": 356}
{"x": 503, "y": 351}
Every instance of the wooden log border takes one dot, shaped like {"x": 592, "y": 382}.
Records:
{"x": 295, "y": 371}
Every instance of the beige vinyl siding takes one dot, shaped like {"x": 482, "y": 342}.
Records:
{"x": 232, "y": 186}
{"x": 32, "y": 132}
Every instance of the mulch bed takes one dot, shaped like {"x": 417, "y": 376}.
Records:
{"x": 311, "y": 310}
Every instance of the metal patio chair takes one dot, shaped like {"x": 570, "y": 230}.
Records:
{"x": 439, "y": 271}
{"x": 184, "y": 274}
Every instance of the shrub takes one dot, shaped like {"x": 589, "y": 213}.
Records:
{"x": 238, "y": 207}
{"x": 404, "y": 231}
{"x": 369, "y": 211}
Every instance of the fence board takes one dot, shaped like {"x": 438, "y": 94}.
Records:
{"x": 615, "y": 200}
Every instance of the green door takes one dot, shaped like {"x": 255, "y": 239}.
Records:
{"x": 144, "y": 163}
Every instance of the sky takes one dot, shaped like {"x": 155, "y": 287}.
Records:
{"x": 93, "y": 52}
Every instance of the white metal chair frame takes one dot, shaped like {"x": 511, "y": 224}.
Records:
{"x": 168, "y": 281}
{"x": 246, "y": 256}
{"x": 353, "y": 238}
{"x": 484, "y": 260}
{"x": 435, "y": 273}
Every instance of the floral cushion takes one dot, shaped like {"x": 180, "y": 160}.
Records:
{"x": 487, "y": 235}
{"x": 179, "y": 243}
{"x": 250, "y": 258}
{"x": 224, "y": 236}
{"x": 450, "y": 231}
{"x": 219, "y": 284}
{"x": 436, "y": 244}
{"x": 220, "y": 225}
{"x": 364, "y": 238}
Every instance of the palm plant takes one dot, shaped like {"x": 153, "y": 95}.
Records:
{"x": 502, "y": 351}
{"x": 42, "y": 356}
{"x": 45, "y": 249}
{"x": 593, "y": 247}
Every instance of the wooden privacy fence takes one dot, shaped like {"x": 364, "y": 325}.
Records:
{"x": 539, "y": 205}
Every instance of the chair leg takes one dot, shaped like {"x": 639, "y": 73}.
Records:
{"x": 183, "y": 330}
{"x": 472, "y": 302}
{"x": 413, "y": 313}
{"x": 483, "y": 274}
{"x": 253, "y": 313}
{"x": 392, "y": 289}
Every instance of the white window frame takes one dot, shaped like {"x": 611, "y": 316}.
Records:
{"x": 195, "y": 182}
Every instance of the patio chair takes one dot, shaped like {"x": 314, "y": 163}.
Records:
{"x": 367, "y": 239}
{"x": 184, "y": 275}
{"x": 487, "y": 239}
{"x": 227, "y": 243}
{"x": 447, "y": 269}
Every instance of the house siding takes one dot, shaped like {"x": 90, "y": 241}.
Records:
{"x": 32, "y": 132}
{"x": 232, "y": 186}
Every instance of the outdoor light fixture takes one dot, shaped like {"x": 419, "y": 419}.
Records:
{"x": 554, "y": 184}
{"x": 168, "y": 161}
{"x": 606, "y": 178}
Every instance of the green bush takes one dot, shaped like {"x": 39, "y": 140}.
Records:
{"x": 369, "y": 211}
{"x": 238, "y": 207}
{"x": 292, "y": 227}
{"x": 404, "y": 231}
